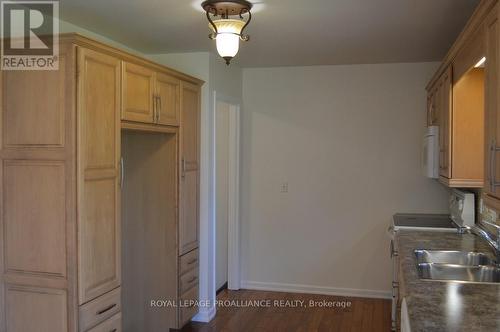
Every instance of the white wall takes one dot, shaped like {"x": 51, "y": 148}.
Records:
{"x": 348, "y": 141}
{"x": 226, "y": 80}
{"x": 66, "y": 27}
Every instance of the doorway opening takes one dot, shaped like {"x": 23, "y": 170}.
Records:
{"x": 227, "y": 242}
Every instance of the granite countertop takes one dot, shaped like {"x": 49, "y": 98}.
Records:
{"x": 445, "y": 306}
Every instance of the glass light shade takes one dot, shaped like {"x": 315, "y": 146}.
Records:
{"x": 228, "y": 36}
{"x": 228, "y": 44}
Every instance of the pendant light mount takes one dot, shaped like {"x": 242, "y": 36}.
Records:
{"x": 226, "y": 8}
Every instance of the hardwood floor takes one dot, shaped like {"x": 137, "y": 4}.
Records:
{"x": 362, "y": 315}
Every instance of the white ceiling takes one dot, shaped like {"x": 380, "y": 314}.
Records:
{"x": 286, "y": 32}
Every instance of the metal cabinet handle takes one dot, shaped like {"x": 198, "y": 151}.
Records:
{"x": 100, "y": 312}
{"x": 159, "y": 109}
{"x": 154, "y": 108}
{"x": 183, "y": 171}
{"x": 493, "y": 165}
{"x": 122, "y": 172}
{"x": 490, "y": 165}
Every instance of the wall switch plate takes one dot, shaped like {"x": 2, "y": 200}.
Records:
{"x": 284, "y": 187}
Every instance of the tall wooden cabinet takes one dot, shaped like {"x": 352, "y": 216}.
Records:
{"x": 189, "y": 209}
{"x": 38, "y": 283}
{"x": 61, "y": 182}
{"x": 98, "y": 110}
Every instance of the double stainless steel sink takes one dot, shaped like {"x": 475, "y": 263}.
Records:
{"x": 465, "y": 266}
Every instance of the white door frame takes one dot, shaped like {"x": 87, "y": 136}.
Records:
{"x": 233, "y": 243}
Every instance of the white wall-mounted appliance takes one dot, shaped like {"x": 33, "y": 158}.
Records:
{"x": 430, "y": 153}
{"x": 462, "y": 208}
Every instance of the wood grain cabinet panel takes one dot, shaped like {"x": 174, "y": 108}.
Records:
{"x": 189, "y": 184}
{"x": 99, "y": 200}
{"x": 99, "y": 264}
{"x": 168, "y": 94}
{"x": 99, "y": 105}
{"x": 35, "y": 217}
{"x": 99, "y": 310}
{"x": 138, "y": 93}
{"x": 188, "y": 261}
{"x": 113, "y": 324}
{"x": 432, "y": 116}
{"x": 444, "y": 120}
{"x": 189, "y": 309}
{"x": 38, "y": 194}
{"x": 460, "y": 113}
{"x": 34, "y": 107}
{"x": 35, "y": 309}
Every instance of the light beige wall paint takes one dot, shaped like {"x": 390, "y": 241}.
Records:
{"x": 221, "y": 190}
{"x": 66, "y": 27}
{"x": 348, "y": 141}
{"x": 226, "y": 80}
{"x": 195, "y": 64}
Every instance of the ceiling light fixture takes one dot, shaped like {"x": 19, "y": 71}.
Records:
{"x": 228, "y": 24}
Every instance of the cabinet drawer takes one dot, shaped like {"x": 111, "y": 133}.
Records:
{"x": 188, "y": 261}
{"x": 100, "y": 309}
{"x": 113, "y": 324}
{"x": 187, "y": 310}
{"x": 188, "y": 280}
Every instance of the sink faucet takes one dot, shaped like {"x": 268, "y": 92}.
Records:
{"x": 481, "y": 231}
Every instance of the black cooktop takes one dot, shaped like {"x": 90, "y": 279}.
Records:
{"x": 423, "y": 220}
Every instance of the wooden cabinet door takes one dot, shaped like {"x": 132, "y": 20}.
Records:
{"x": 138, "y": 93}
{"x": 98, "y": 174}
{"x": 445, "y": 113}
{"x": 168, "y": 94}
{"x": 38, "y": 219}
{"x": 492, "y": 118}
{"x": 189, "y": 182}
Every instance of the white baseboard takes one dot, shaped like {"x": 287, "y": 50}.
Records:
{"x": 311, "y": 289}
{"x": 205, "y": 315}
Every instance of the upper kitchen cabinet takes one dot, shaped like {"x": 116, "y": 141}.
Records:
{"x": 492, "y": 125}
{"x": 456, "y": 105}
{"x": 138, "y": 93}
{"x": 168, "y": 99}
{"x": 149, "y": 96}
